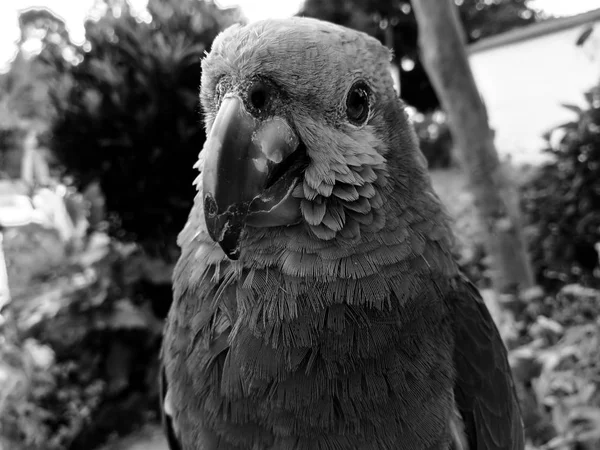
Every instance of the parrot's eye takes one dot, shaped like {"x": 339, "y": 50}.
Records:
{"x": 259, "y": 95}
{"x": 357, "y": 103}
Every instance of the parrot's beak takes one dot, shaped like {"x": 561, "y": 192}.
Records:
{"x": 250, "y": 168}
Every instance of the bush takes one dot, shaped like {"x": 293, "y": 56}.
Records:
{"x": 562, "y": 201}
{"x": 78, "y": 351}
{"x": 435, "y": 139}
{"x": 556, "y": 367}
{"x": 131, "y": 120}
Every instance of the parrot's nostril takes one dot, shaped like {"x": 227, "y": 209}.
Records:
{"x": 259, "y": 95}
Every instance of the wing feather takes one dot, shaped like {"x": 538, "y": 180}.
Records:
{"x": 165, "y": 411}
{"x": 484, "y": 391}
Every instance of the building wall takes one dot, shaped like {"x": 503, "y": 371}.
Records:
{"x": 524, "y": 83}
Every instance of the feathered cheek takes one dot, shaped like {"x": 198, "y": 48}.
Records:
{"x": 341, "y": 192}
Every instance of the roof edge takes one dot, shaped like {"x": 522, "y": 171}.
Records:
{"x": 534, "y": 31}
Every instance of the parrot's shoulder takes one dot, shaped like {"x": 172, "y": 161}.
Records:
{"x": 484, "y": 391}
{"x": 195, "y": 344}
{"x": 197, "y": 329}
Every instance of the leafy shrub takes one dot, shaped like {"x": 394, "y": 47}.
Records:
{"x": 131, "y": 120}
{"x": 435, "y": 139}
{"x": 562, "y": 201}
{"x": 556, "y": 367}
{"x": 78, "y": 352}
{"x": 11, "y": 139}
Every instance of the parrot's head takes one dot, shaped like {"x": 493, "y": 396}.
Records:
{"x": 303, "y": 125}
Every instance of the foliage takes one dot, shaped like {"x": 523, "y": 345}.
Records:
{"x": 31, "y": 251}
{"x": 555, "y": 364}
{"x": 25, "y": 88}
{"x": 562, "y": 201}
{"x": 131, "y": 120}
{"x": 79, "y": 351}
{"x": 485, "y": 18}
{"x": 435, "y": 139}
{"x": 25, "y": 104}
{"x": 394, "y": 23}
{"x": 12, "y": 135}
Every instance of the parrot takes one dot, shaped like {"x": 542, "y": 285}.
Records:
{"x": 317, "y": 302}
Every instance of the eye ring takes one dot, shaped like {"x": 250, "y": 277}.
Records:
{"x": 358, "y": 103}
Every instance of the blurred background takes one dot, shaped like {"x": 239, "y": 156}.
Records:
{"x": 100, "y": 127}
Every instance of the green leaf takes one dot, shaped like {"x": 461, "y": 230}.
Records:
{"x": 576, "y": 109}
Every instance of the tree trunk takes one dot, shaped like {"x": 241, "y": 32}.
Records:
{"x": 442, "y": 44}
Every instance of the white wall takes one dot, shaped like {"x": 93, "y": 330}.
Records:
{"x": 523, "y": 85}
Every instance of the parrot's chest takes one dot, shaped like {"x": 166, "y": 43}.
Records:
{"x": 340, "y": 377}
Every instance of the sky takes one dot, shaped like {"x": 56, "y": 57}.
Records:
{"x": 74, "y": 13}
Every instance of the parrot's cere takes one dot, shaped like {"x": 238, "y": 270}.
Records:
{"x": 317, "y": 304}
